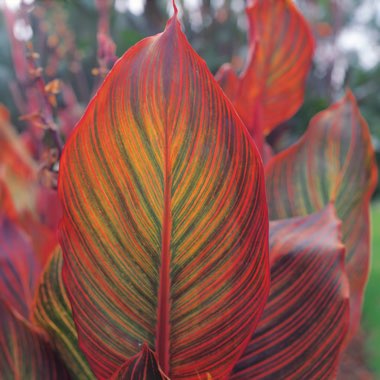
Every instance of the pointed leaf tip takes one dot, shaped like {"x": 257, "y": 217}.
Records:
{"x": 175, "y": 8}
{"x": 271, "y": 87}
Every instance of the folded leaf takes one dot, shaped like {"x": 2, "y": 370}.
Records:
{"x": 304, "y": 325}
{"x": 164, "y": 230}
{"x": 24, "y": 353}
{"x": 52, "y": 312}
{"x": 333, "y": 162}
{"x": 19, "y": 270}
{"x": 271, "y": 88}
{"x": 143, "y": 366}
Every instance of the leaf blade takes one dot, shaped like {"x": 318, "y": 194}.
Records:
{"x": 271, "y": 88}
{"x": 137, "y": 191}
{"x": 303, "y": 328}
{"x": 24, "y": 352}
{"x": 333, "y": 162}
{"x": 52, "y": 313}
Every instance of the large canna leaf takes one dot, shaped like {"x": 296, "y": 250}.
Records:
{"x": 271, "y": 88}
{"x": 333, "y": 162}
{"x": 164, "y": 228}
{"x": 52, "y": 313}
{"x": 143, "y": 366}
{"x": 304, "y": 325}
{"x": 19, "y": 269}
{"x": 24, "y": 352}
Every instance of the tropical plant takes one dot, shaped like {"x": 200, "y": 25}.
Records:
{"x": 169, "y": 264}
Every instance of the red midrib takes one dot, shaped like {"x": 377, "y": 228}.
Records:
{"x": 163, "y": 315}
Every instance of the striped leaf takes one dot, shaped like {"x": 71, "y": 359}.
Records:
{"x": 19, "y": 270}
{"x": 271, "y": 88}
{"x": 143, "y": 366}
{"x": 52, "y": 312}
{"x": 333, "y": 162}
{"x": 24, "y": 352}
{"x": 304, "y": 325}
{"x": 164, "y": 230}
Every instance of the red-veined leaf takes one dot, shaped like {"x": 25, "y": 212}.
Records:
{"x": 304, "y": 325}
{"x": 164, "y": 229}
{"x": 271, "y": 88}
{"x": 143, "y": 366}
{"x": 333, "y": 162}
{"x": 24, "y": 352}
{"x": 19, "y": 270}
{"x": 52, "y": 312}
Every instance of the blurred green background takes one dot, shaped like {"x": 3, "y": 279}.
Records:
{"x": 64, "y": 34}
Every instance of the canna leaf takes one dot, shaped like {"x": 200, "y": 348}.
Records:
{"x": 333, "y": 162}
{"x": 52, "y": 313}
{"x": 304, "y": 325}
{"x": 143, "y": 366}
{"x": 164, "y": 230}
{"x": 24, "y": 352}
{"x": 271, "y": 88}
{"x": 19, "y": 269}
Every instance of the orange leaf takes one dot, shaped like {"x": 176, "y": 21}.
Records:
{"x": 271, "y": 88}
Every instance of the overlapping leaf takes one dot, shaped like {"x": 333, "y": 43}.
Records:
{"x": 164, "y": 232}
{"x": 52, "y": 312}
{"x": 305, "y": 322}
{"x": 143, "y": 366}
{"x": 24, "y": 352}
{"x": 271, "y": 88}
{"x": 333, "y": 162}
